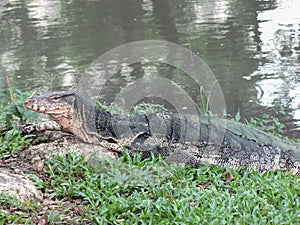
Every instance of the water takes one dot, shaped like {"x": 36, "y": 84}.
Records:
{"x": 252, "y": 47}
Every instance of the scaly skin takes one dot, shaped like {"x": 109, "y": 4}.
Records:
{"x": 192, "y": 140}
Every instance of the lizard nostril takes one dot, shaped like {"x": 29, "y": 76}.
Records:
{"x": 26, "y": 103}
{"x": 30, "y": 101}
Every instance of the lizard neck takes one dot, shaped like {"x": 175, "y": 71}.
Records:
{"x": 65, "y": 120}
{"x": 89, "y": 123}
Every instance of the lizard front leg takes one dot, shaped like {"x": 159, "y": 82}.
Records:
{"x": 51, "y": 130}
{"x": 48, "y": 125}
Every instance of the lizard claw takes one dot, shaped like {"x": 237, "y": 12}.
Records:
{"x": 28, "y": 128}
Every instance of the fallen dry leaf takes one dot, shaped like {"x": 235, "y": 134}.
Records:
{"x": 229, "y": 177}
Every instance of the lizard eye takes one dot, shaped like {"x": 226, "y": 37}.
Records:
{"x": 55, "y": 98}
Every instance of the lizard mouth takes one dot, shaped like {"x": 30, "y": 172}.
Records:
{"x": 31, "y": 104}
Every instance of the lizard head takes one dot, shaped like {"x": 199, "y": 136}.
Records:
{"x": 71, "y": 111}
{"x": 53, "y": 103}
{"x": 58, "y": 105}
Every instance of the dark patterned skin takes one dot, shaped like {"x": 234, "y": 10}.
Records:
{"x": 194, "y": 140}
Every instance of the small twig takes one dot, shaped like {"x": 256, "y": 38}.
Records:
{"x": 11, "y": 97}
{"x": 32, "y": 94}
{"x": 52, "y": 79}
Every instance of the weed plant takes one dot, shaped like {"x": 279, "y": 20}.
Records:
{"x": 13, "y": 114}
{"x": 135, "y": 191}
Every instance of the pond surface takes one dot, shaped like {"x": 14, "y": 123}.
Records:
{"x": 251, "y": 47}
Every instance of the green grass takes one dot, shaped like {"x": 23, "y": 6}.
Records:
{"x": 142, "y": 108}
{"x": 135, "y": 191}
{"x": 131, "y": 191}
{"x": 13, "y": 114}
{"x": 13, "y": 211}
